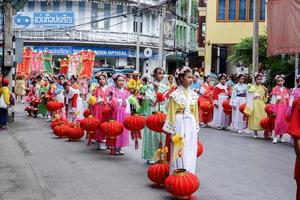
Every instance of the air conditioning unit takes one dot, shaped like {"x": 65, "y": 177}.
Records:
{"x": 244, "y": 70}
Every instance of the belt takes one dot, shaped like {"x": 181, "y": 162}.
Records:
{"x": 241, "y": 95}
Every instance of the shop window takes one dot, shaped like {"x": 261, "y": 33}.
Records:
{"x": 251, "y": 10}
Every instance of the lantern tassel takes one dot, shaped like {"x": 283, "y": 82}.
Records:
{"x": 136, "y": 136}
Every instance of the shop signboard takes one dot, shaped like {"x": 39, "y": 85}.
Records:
{"x": 68, "y": 50}
{"x": 44, "y": 20}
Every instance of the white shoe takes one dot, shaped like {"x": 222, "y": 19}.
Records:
{"x": 219, "y": 128}
{"x": 102, "y": 146}
{"x": 282, "y": 140}
{"x": 255, "y": 136}
{"x": 275, "y": 140}
{"x": 240, "y": 132}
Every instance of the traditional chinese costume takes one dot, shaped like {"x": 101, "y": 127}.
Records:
{"x": 239, "y": 97}
{"x": 182, "y": 122}
{"x": 255, "y": 108}
{"x": 151, "y": 140}
{"x": 221, "y": 93}
{"x": 280, "y": 99}
{"x": 121, "y": 109}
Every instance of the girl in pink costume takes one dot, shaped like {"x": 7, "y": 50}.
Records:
{"x": 121, "y": 109}
{"x": 103, "y": 96}
{"x": 84, "y": 86}
{"x": 280, "y": 99}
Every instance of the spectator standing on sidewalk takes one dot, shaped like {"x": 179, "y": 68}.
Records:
{"x": 4, "y": 103}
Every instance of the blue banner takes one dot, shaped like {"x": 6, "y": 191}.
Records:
{"x": 68, "y": 50}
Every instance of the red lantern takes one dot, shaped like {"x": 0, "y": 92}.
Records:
{"x": 155, "y": 122}
{"x": 207, "y": 107}
{"x": 112, "y": 129}
{"x": 57, "y": 122}
{"x": 160, "y": 97}
{"x": 90, "y": 124}
{"x": 54, "y": 106}
{"x": 74, "y": 132}
{"x": 199, "y": 149}
{"x": 61, "y": 130}
{"x": 269, "y": 108}
{"x": 135, "y": 124}
{"x": 227, "y": 107}
{"x": 158, "y": 173}
{"x": 87, "y": 113}
{"x": 267, "y": 123}
{"x": 182, "y": 184}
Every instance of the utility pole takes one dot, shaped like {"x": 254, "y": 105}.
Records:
{"x": 188, "y": 32}
{"x": 138, "y": 23}
{"x": 161, "y": 37}
{"x": 7, "y": 36}
{"x": 255, "y": 56}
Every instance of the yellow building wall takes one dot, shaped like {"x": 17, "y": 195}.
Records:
{"x": 224, "y": 32}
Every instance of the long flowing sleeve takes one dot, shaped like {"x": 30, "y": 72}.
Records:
{"x": 216, "y": 95}
{"x": 250, "y": 98}
{"x": 169, "y": 126}
{"x": 150, "y": 95}
{"x": 233, "y": 97}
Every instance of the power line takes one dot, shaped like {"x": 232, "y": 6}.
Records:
{"x": 112, "y": 17}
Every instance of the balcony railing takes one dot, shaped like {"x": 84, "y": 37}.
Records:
{"x": 91, "y": 36}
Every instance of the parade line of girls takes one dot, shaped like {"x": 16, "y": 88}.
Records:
{"x": 181, "y": 105}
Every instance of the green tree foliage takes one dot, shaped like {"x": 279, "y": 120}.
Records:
{"x": 242, "y": 54}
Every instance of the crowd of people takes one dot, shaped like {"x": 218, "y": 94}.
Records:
{"x": 181, "y": 97}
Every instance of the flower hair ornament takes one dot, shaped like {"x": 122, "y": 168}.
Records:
{"x": 240, "y": 74}
{"x": 182, "y": 71}
{"x": 279, "y": 76}
{"x": 298, "y": 77}
{"x": 221, "y": 76}
{"x": 116, "y": 75}
{"x": 257, "y": 74}
{"x": 101, "y": 74}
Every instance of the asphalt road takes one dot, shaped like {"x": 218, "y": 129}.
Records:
{"x": 34, "y": 165}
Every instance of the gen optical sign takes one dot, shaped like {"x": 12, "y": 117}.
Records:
{"x": 44, "y": 20}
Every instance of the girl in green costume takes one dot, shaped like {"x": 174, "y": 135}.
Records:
{"x": 152, "y": 139}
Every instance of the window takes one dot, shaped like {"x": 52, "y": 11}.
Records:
{"x": 55, "y": 5}
{"x": 44, "y": 5}
{"x": 82, "y": 7}
{"x": 94, "y": 15}
{"x": 239, "y": 10}
{"x": 232, "y": 11}
{"x": 222, "y": 9}
{"x": 69, "y": 6}
{"x": 262, "y": 10}
{"x": 107, "y": 15}
{"x": 242, "y": 10}
{"x": 30, "y": 6}
{"x": 251, "y": 10}
{"x": 120, "y": 19}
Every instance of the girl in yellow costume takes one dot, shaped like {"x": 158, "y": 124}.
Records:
{"x": 255, "y": 109}
{"x": 182, "y": 122}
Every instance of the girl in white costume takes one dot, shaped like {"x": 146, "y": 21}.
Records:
{"x": 239, "y": 97}
{"x": 221, "y": 93}
{"x": 182, "y": 122}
